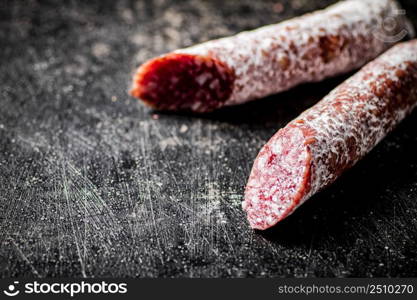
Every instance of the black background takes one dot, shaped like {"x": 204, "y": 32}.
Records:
{"x": 92, "y": 183}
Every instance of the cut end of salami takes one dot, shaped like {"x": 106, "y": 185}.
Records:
{"x": 179, "y": 81}
{"x": 280, "y": 178}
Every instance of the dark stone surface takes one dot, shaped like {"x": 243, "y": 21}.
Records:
{"x": 92, "y": 183}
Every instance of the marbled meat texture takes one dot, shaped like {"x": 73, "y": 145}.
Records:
{"x": 271, "y": 59}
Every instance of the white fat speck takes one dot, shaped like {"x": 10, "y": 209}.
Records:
{"x": 183, "y": 128}
{"x": 214, "y": 85}
{"x": 202, "y": 78}
{"x": 343, "y": 133}
{"x": 276, "y": 148}
{"x": 196, "y": 106}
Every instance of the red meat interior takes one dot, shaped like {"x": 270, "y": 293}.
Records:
{"x": 183, "y": 82}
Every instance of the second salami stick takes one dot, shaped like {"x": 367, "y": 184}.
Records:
{"x": 271, "y": 59}
{"x": 312, "y": 151}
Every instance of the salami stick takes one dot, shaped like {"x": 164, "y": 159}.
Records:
{"x": 313, "y": 150}
{"x": 268, "y": 60}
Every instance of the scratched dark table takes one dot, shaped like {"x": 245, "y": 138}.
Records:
{"x": 94, "y": 184}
